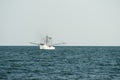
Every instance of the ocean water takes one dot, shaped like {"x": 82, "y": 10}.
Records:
{"x": 64, "y": 63}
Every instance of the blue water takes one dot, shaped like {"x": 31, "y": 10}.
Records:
{"x": 64, "y": 63}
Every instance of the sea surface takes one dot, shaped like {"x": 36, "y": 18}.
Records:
{"x": 64, "y": 63}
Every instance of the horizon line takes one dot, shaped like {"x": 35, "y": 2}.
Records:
{"x": 66, "y": 45}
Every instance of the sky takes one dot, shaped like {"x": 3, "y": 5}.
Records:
{"x": 76, "y": 22}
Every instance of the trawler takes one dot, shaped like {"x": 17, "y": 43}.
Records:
{"x": 47, "y": 44}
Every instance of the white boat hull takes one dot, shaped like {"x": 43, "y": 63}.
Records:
{"x": 47, "y": 47}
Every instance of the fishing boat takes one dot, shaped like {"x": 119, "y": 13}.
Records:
{"x": 47, "y": 44}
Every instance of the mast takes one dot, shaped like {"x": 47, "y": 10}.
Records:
{"x": 46, "y": 40}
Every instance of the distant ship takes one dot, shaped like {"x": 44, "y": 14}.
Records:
{"x": 47, "y": 44}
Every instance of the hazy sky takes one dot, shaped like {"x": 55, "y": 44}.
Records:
{"x": 76, "y": 22}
